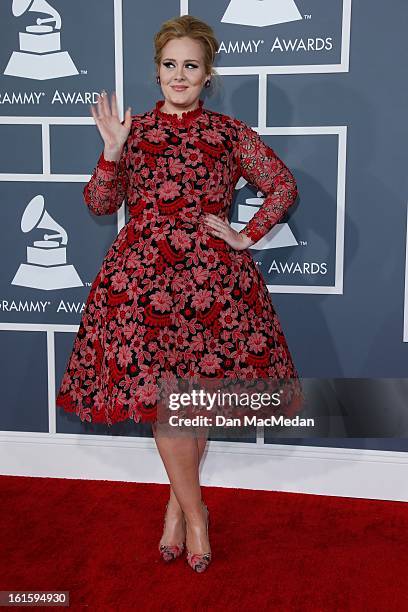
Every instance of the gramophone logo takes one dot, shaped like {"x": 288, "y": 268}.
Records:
{"x": 46, "y": 266}
{"x": 40, "y": 56}
{"x": 279, "y": 236}
{"x": 261, "y": 12}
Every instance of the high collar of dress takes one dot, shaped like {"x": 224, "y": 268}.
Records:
{"x": 185, "y": 118}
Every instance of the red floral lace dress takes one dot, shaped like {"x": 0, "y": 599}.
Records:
{"x": 171, "y": 299}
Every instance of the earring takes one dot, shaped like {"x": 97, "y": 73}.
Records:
{"x": 207, "y": 83}
{"x": 157, "y": 79}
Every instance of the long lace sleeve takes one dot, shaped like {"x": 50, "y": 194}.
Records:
{"x": 107, "y": 187}
{"x": 261, "y": 167}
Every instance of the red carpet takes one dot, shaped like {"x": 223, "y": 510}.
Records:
{"x": 271, "y": 551}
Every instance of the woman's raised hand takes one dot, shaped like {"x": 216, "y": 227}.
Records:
{"x": 113, "y": 132}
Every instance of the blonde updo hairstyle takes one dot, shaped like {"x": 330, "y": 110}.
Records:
{"x": 194, "y": 28}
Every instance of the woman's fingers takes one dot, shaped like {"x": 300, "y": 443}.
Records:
{"x": 98, "y": 108}
{"x": 220, "y": 228}
{"x": 104, "y": 107}
{"x": 94, "y": 112}
{"x": 103, "y": 104}
{"x": 215, "y": 222}
{"x": 114, "y": 106}
{"x": 107, "y": 120}
{"x": 128, "y": 118}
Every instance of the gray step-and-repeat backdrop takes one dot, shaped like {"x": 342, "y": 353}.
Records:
{"x": 323, "y": 84}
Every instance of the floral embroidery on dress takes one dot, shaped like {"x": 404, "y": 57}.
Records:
{"x": 170, "y": 299}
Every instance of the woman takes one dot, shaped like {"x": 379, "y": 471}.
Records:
{"x": 178, "y": 293}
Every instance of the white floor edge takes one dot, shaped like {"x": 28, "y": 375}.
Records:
{"x": 358, "y": 473}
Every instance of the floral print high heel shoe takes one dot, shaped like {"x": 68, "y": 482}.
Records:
{"x": 200, "y": 561}
{"x": 170, "y": 552}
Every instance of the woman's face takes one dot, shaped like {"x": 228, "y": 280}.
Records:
{"x": 182, "y": 73}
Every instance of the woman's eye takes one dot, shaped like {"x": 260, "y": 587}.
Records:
{"x": 168, "y": 64}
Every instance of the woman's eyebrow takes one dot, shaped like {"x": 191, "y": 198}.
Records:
{"x": 173, "y": 60}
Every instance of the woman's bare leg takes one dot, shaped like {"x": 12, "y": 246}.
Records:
{"x": 174, "y": 506}
{"x": 181, "y": 457}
